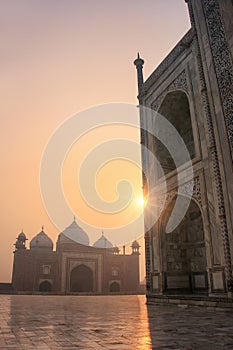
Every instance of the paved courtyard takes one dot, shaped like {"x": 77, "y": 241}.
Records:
{"x": 109, "y": 322}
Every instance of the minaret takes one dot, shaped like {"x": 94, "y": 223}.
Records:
{"x": 21, "y": 241}
{"x": 139, "y": 65}
{"x": 135, "y": 248}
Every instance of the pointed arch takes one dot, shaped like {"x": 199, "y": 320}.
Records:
{"x": 81, "y": 279}
{"x": 45, "y": 287}
{"x": 175, "y": 108}
{"x": 115, "y": 287}
{"x": 183, "y": 252}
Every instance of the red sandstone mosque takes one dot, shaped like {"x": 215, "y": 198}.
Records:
{"x": 75, "y": 266}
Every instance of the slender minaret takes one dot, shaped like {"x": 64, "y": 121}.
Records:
{"x": 139, "y": 65}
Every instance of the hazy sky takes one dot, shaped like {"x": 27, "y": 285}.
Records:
{"x": 59, "y": 57}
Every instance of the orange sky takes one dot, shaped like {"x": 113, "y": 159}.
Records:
{"x": 59, "y": 57}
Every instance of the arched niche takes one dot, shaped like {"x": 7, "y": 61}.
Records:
{"x": 45, "y": 287}
{"x": 183, "y": 252}
{"x": 81, "y": 279}
{"x": 114, "y": 287}
{"x": 175, "y": 108}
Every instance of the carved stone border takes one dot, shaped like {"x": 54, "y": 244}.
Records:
{"x": 222, "y": 62}
{"x": 148, "y": 261}
{"x": 213, "y": 154}
{"x": 191, "y": 189}
{"x": 179, "y": 83}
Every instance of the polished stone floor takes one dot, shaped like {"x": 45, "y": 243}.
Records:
{"x": 109, "y": 322}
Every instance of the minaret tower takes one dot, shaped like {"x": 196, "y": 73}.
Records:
{"x": 20, "y": 241}
{"x": 139, "y": 65}
{"x": 135, "y": 248}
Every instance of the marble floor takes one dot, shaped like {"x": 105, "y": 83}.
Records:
{"x": 109, "y": 322}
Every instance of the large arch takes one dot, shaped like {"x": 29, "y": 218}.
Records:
{"x": 175, "y": 108}
{"x": 184, "y": 263}
{"x": 45, "y": 287}
{"x": 81, "y": 279}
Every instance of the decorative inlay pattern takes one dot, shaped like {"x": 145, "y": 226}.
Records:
{"x": 148, "y": 260}
{"x": 179, "y": 83}
{"x": 222, "y": 62}
{"x": 191, "y": 189}
{"x": 212, "y": 10}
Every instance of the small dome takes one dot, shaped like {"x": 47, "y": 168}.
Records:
{"x": 41, "y": 241}
{"x": 22, "y": 237}
{"x": 103, "y": 242}
{"x": 135, "y": 244}
{"x": 76, "y": 233}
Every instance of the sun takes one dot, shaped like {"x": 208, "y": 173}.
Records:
{"x": 141, "y": 202}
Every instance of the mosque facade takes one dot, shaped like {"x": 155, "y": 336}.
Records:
{"x": 193, "y": 89}
{"x": 74, "y": 266}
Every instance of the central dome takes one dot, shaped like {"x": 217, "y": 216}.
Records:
{"x": 76, "y": 233}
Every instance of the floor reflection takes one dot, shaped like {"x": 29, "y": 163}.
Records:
{"x": 109, "y": 322}
{"x": 189, "y": 328}
{"x": 96, "y": 322}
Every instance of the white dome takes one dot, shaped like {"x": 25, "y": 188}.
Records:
{"x": 41, "y": 241}
{"x": 76, "y": 233}
{"x": 103, "y": 242}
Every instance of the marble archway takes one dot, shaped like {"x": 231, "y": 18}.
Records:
{"x": 183, "y": 253}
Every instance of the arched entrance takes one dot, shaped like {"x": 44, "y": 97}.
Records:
{"x": 81, "y": 279}
{"x": 115, "y": 287}
{"x": 183, "y": 253}
{"x": 45, "y": 286}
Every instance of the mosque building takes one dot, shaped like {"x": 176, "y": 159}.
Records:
{"x": 74, "y": 266}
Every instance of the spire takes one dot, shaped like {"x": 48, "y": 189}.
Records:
{"x": 139, "y": 66}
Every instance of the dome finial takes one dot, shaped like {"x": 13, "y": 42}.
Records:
{"x": 74, "y": 218}
{"x": 42, "y": 227}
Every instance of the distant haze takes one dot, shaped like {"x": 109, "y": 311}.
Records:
{"x": 59, "y": 57}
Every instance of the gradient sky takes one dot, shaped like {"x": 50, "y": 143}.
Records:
{"x": 57, "y": 58}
